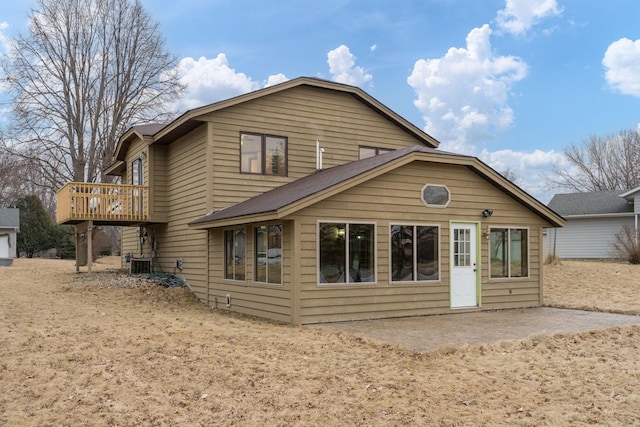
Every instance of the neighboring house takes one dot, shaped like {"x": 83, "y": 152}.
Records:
{"x": 9, "y": 228}
{"x": 592, "y": 221}
{"x": 310, "y": 201}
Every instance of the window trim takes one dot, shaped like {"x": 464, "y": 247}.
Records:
{"x": 509, "y": 277}
{"x": 321, "y": 284}
{"x": 429, "y": 205}
{"x": 439, "y": 261}
{"x": 263, "y": 153}
{"x": 254, "y": 258}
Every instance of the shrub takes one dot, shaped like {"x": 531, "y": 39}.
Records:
{"x": 627, "y": 244}
{"x": 552, "y": 260}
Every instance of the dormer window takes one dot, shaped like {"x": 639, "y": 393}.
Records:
{"x": 263, "y": 154}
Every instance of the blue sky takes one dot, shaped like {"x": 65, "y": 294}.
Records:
{"x": 510, "y": 81}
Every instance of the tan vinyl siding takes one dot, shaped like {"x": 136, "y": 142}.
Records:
{"x": 158, "y": 174}
{"x": 179, "y": 186}
{"x": 186, "y": 190}
{"x": 338, "y": 121}
{"x": 402, "y": 204}
{"x": 130, "y": 244}
{"x": 256, "y": 299}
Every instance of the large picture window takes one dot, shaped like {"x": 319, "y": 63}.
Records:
{"x": 234, "y": 254}
{"x": 415, "y": 253}
{"x": 268, "y": 254}
{"x": 509, "y": 249}
{"x": 263, "y": 154}
{"x": 346, "y": 252}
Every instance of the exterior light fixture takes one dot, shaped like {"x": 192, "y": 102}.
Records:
{"x": 487, "y": 213}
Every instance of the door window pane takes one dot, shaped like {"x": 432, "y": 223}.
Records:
{"x": 461, "y": 247}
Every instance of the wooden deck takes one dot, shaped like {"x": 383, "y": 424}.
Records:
{"x": 111, "y": 204}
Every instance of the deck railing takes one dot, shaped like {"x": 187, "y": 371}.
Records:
{"x": 84, "y": 201}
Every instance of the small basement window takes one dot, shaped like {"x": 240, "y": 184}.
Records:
{"x": 436, "y": 195}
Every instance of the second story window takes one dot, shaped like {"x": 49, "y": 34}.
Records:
{"x": 365, "y": 152}
{"x": 263, "y": 154}
{"x": 137, "y": 172}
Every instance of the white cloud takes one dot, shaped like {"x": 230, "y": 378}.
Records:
{"x": 343, "y": 69}
{"x": 519, "y": 16}
{"x": 373, "y": 48}
{"x": 622, "y": 64}
{"x": 463, "y": 96}
{"x": 275, "y": 79}
{"x": 4, "y": 39}
{"x": 531, "y": 169}
{"x": 211, "y": 80}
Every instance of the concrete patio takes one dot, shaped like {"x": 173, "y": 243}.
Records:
{"x": 430, "y": 332}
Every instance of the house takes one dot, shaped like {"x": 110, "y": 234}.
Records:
{"x": 9, "y": 228}
{"x": 592, "y": 221}
{"x": 310, "y": 201}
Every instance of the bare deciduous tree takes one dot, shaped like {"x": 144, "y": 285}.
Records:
{"x": 86, "y": 70}
{"x": 601, "y": 164}
{"x": 9, "y": 177}
{"x": 510, "y": 175}
{"x": 21, "y": 176}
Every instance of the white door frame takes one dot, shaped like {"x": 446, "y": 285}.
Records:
{"x": 464, "y": 275}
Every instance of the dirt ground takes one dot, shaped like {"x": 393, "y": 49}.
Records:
{"x": 101, "y": 350}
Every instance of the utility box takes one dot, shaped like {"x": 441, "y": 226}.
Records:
{"x": 140, "y": 266}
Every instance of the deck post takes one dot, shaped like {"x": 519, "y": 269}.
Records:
{"x": 89, "y": 246}
{"x": 77, "y": 252}
{"x": 87, "y": 228}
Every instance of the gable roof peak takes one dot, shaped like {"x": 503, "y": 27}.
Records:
{"x": 193, "y": 118}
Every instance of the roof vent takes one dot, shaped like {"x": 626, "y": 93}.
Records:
{"x": 319, "y": 152}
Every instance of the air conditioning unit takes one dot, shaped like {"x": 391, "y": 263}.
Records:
{"x": 140, "y": 266}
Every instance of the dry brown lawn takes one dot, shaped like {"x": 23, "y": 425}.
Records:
{"x": 75, "y": 350}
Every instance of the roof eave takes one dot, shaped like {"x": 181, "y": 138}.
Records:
{"x": 203, "y": 224}
{"x": 601, "y": 215}
{"x": 116, "y": 169}
{"x": 630, "y": 193}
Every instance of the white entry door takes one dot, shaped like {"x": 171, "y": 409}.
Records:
{"x": 464, "y": 292}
